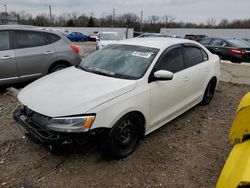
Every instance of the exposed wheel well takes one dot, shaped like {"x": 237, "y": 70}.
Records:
{"x": 142, "y": 123}
{"x": 57, "y": 63}
{"x": 215, "y": 79}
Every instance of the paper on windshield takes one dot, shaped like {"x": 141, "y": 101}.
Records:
{"x": 142, "y": 54}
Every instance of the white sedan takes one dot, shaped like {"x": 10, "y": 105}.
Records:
{"x": 105, "y": 38}
{"x": 121, "y": 93}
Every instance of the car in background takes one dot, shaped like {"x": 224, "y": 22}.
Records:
{"x": 245, "y": 39}
{"x": 119, "y": 93}
{"x": 235, "y": 50}
{"x": 94, "y": 36}
{"x": 196, "y": 38}
{"x": 152, "y": 35}
{"x": 77, "y": 37}
{"x": 27, "y": 53}
{"x": 105, "y": 38}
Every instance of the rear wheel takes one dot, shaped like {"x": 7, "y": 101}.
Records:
{"x": 58, "y": 67}
{"x": 124, "y": 137}
{"x": 209, "y": 92}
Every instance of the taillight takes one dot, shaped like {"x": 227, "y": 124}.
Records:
{"x": 237, "y": 52}
{"x": 75, "y": 48}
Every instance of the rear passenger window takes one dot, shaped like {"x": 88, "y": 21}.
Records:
{"x": 5, "y": 40}
{"x": 204, "y": 55}
{"x": 52, "y": 38}
{"x": 26, "y": 39}
{"x": 172, "y": 61}
{"x": 194, "y": 56}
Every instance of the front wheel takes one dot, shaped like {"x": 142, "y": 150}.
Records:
{"x": 209, "y": 92}
{"x": 124, "y": 137}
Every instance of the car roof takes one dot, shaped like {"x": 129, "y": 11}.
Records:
{"x": 109, "y": 32}
{"x": 156, "y": 42}
{"x": 26, "y": 27}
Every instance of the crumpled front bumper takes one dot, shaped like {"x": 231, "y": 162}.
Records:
{"x": 23, "y": 117}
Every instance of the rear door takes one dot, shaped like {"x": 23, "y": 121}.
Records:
{"x": 197, "y": 63}
{"x": 34, "y": 54}
{"x": 8, "y": 69}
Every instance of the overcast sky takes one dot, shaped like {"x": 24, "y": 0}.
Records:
{"x": 183, "y": 10}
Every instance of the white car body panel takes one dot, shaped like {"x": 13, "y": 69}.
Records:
{"x": 73, "y": 91}
{"x": 68, "y": 93}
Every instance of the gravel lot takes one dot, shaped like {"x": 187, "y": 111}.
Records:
{"x": 187, "y": 152}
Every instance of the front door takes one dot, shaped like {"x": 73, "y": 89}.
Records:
{"x": 168, "y": 98}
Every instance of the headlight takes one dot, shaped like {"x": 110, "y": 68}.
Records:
{"x": 71, "y": 124}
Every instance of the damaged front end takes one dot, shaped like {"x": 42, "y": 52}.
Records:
{"x": 54, "y": 131}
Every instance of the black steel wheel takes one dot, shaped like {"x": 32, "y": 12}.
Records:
{"x": 124, "y": 137}
{"x": 209, "y": 92}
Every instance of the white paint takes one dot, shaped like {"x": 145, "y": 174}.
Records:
{"x": 73, "y": 91}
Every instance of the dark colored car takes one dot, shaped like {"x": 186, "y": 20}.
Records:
{"x": 245, "y": 39}
{"x": 196, "y": 38}
{"x": 76, "y": 37}
{"x": 235, "y": 50}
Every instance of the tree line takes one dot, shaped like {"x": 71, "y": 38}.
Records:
{"x": 153, "y": 23}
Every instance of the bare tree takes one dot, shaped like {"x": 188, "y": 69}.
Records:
{"x": 211, "y": 22}
{"x": 153, "y": 19}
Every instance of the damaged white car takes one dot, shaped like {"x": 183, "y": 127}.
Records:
{"x": 122, "y": 92}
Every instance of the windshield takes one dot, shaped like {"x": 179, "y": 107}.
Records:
{"x": 110, "y": 36}
{"x": 239, "y": 43}
{"x": 120, "y": 61}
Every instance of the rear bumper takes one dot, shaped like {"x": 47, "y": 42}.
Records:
{"x": 43, "y": 134}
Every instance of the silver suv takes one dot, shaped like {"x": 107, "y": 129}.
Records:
{"x": 27, "y": 53}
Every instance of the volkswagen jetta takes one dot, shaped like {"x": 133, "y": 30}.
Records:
{"x": 122, "y": 92}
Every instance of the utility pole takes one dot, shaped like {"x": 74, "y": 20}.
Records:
{"x": 50, "y": 15}
{"x": 6, "y": 14}
{"x": 113, "y": 17}
{"x": 141, "y": 21}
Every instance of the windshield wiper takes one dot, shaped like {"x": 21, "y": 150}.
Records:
{"x": 82, "y": 68}
{"x": 101, "y": 71}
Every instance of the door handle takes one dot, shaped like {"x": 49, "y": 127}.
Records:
{"x": 6, "y": 57}
{"x": 48, "y": 52}
{"x": 186, "y": 78}
{"x": 216, "y": 48}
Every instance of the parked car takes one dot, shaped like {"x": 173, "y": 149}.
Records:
{"x": 105, "y": 38}
{"x": 120, "y": 93}
{"x": 235, "y": 50}
{"x": 94, "y": 36}
{"x": 245, "y": 39}
{"x": 27, "y": 53}
{"x": 236, "y": 171}
{"x": 77, "y": 37}
{"x": 152, "y": 35}
{"x": 196, "y": 38}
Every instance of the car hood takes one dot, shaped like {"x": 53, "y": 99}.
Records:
{"x": 72, "y": 91}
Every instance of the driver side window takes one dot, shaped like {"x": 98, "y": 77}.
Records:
{"x": 172, "y": 61}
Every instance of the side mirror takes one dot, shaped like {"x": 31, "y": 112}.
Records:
{"x": 162, "y": 75}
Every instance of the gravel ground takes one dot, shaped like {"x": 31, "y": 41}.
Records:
{"x": 187, "y": 152}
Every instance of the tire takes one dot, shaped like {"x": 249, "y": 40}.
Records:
{"x": 209, "y": 92}
{"x": 58, "y": 67}
{"x": 124, "y": 137}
